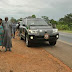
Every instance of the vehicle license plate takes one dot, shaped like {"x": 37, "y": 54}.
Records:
{"x": 46, "y": 36}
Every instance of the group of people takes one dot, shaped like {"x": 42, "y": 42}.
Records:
{"x": 6, "y": 33}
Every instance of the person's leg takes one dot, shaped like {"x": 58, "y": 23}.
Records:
{"x": 14, "y": 34}
{"x": 10, "y": 49}
{"x": 0, "y": 49}
{"x": 5, "y": 49}
{"x": 18, "y": 32}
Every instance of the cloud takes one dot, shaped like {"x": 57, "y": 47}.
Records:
{"x": 21, "y": 8}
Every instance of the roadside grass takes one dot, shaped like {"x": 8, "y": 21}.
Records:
{"x": 67, "y": 31}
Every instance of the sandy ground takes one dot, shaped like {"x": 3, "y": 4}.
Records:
{"x": 24, "y": 59}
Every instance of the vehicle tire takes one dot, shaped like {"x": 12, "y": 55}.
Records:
{"x": 52, "y": 43}
{"x": 27, "y": 41}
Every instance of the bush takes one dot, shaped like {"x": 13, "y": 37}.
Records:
{"x": 63, "y": 27}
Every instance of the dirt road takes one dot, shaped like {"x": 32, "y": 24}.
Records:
{"x": 24, "y": 59}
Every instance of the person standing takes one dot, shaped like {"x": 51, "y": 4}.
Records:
{"x": 7, "y": 43}
{"x": 1, "y": 33}
{"x": 13, "y": 29}
{"x": 17, "y": 27}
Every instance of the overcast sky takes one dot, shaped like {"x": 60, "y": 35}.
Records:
{"x": 54, "y": 9}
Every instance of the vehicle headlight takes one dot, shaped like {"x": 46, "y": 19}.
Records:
{"x": 33, "y": 31}
{"x": 55, "y": 30}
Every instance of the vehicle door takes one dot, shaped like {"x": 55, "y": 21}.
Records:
{"x": 23, "y": 30}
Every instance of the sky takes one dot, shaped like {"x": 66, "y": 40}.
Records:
{"x": 54, "y": 9}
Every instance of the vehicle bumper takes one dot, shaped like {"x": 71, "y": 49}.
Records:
{"x": 41, "y": 38}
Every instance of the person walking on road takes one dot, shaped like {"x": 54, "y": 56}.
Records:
{"x": 7, "y": 43}
{"x": 1, "y": 33}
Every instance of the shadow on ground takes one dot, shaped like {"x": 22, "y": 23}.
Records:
{"x": 40, "y": 44}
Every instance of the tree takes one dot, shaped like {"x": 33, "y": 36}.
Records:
{"x": 19, "y": 20}
{"x": 67, "y": 20}
{"x": 13, "y": 20}
{"x": 46, "y": 19}
{"x": 33, "y": 16}
{"x": 53, "y": 22}
{"x": 50, "y": 22}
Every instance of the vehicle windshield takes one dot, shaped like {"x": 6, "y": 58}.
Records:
{"x": 37, "y": 22}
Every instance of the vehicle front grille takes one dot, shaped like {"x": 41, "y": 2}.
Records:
{"x": 53, "y": 36}
{"x": 39, "y": 37}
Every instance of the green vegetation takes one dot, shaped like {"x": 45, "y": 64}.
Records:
{"x": 33, "y": 16}
{"x": 67, "y": 31}
{"x": 63, "y": 24}
{"x": 19, "y": 20}
{"x": 46, "y": 18}
{"x": 13, "y": 20}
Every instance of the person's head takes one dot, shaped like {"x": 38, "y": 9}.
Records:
{"x": 6, "y": 19}
{"x": 0, "y": 20}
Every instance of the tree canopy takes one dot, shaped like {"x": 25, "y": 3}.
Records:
{"x": 13, "y": 20}
{"x": 66, "y": 21}
{"x": 33, "y": 16}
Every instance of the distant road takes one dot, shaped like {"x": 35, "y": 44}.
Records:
{"x": 63, "y": 49}
{"x": 67, "y": 37}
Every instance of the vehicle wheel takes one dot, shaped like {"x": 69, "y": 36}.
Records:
{"x": 27, "y": 42}
{"x": 52, "y": 43}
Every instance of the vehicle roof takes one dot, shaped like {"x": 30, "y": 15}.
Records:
{"x": 26, "y": 19}
{"x": 32, "y": 19}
